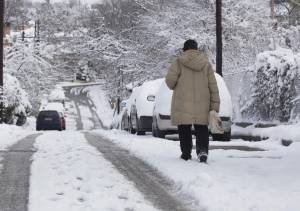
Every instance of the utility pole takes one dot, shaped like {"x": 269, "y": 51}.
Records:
{"x": 1, "y": 59}
{"x": 272, "y": 9}
{"x": 219, "y": 43}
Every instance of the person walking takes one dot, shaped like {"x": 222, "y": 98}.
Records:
{"x": 195, "y": 95}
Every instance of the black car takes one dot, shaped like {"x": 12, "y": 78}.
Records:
{"x": 50, "y": 120}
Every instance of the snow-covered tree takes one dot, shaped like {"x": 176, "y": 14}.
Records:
{"x": 273, "y": 88}
{"x": 15, "y": 99}
{"x": 31, "y": 69}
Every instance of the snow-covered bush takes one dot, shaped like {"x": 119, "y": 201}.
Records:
{"x": 15, "y": 99}
{"x": 273, "y": 87}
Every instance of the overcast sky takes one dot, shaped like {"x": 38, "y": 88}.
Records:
{"x": 83, "y": 1}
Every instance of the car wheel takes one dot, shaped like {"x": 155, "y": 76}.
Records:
{"x": 222, "y": 137}
{"x": 139, "y": 131}
{"x": 123, "y": 124}
{"x": 131, "y": 130}
{"x": 153, "y": 130}
{"x": 159, "y": 133}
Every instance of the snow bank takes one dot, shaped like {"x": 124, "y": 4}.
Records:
{"x": 232, "y": 180}
{"x": 278, "y": 133}
{"x": 69, "y": 174}
{"x": 10, "y": 134}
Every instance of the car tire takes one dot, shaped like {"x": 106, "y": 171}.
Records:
{"x": 139, "y": 132}
{"x": 156, "y": 131}
{"x": 131, "y": 130}
{"x": 153, "y": 130}
{"x": 222, "y": 137}
{"x": 123, "y": 125}
{"x": 160, "y": 133}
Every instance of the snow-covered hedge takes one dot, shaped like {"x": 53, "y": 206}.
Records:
{"x": 273, "y": 87}
{"x": 15, "y": 99}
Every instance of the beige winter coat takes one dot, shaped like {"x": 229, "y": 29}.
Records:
{"x": 192, "y": 78}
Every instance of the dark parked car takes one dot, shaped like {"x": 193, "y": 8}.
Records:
{"x": 50, "y": 120}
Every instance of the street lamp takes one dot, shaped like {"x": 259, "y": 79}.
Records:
{"x": 1, "y": 58}
{"x": 219, "y": 43}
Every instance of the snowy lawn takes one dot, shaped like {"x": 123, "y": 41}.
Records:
{"x": 69, "y": 174}
{"x": 232, "y": 180}
{"x": 287, "y": 132}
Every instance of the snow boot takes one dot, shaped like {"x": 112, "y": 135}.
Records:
{"x": 186, "y": 157}
{"x": 202, "y": 157}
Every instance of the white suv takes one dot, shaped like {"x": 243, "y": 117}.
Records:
{"x": 162, "y": 126}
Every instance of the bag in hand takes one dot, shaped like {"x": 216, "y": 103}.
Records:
{"x": 215, "y": 123}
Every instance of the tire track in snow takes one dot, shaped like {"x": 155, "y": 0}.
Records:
{"x": 70, "y": 174}
{"x": 80, "y": 98}
{"x": 15, "y": 174}
{"x": 147, "y": 180}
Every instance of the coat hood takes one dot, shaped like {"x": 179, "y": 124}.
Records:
{"x": 194, "y": 60}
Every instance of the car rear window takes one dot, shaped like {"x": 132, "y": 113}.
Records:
{"x": 44, "y": 114}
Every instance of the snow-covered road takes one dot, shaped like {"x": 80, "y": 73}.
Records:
{"x": 69, "y": 174}
{"x": 87, "y": 168}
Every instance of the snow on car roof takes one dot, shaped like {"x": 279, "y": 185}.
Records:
{"x": 54, "y": 107}
{"x": 148, "y": 88}
{"x": 226, "y": 103}
{"x": 151, "y": 87}
{"x": 164, "y": 98}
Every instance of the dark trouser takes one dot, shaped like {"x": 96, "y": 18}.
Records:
{"x": 185, "y": 136}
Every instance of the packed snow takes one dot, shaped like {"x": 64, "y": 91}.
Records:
{"x": 278, "y": 133}
{"x": 232, "y": 179}
{"x": 69, "y": 174}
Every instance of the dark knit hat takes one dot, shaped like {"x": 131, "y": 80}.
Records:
{"x": 190, "y": 45}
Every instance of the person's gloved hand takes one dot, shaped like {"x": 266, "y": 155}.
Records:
{"x": 215, "y": 123}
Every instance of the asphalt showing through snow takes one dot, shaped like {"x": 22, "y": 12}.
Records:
{"x": 157, "y": 189}
{"x": 15, "y": 175}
